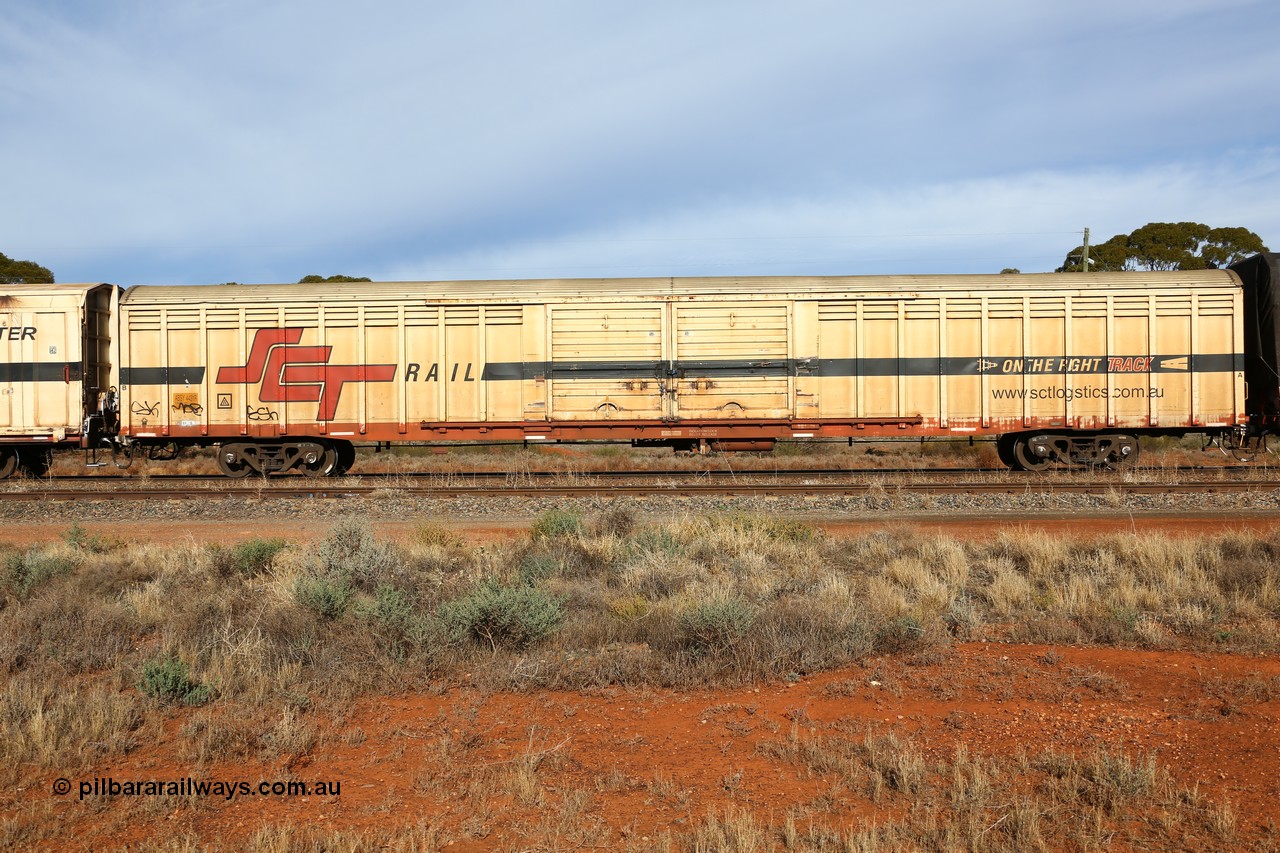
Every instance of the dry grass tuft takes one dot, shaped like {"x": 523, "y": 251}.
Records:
{"x": 624, "y": 583}
{"x": 1049, "y": 802}
{"x": 694, "y": 600}
{"x": 56, "y": 724}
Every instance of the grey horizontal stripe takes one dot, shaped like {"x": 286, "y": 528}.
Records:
{"x": 520, "y": 370}
{"x": 1017, "y": 365}
{"x": 161, "y": 375}
{"x": 40, "y": 371}
{"x": 1122, "y": 365}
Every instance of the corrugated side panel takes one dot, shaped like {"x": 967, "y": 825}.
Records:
{"x": 732, "y": 360}
{"x": 606, "y": 361}
{"x": 40, "y": 350}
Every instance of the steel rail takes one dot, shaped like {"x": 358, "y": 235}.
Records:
{"x": 717, "y": 474}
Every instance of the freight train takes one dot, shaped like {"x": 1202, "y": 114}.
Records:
{"x": 1058, "y": 369}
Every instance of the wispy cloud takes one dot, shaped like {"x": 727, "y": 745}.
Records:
{"x": 240, "y": 140}
{"x": 1029, "y": 221}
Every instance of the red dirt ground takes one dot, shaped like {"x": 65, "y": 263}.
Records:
{"x": 597, "y": 770}
{"x": 653, "y": 761}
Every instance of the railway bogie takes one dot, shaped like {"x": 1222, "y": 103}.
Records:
{"x": 311, "y": 458}
{"x": 1063, "y": 369}
{"x": 1041, "y": 450}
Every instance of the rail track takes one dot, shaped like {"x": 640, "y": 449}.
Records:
{"x": 779, "y": 483}
{"x": 709, "y": 475}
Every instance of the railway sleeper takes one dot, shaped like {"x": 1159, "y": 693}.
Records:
{"x": 312, "y": 458}
{"x": 1037, "y": 451}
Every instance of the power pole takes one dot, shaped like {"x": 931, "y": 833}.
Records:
{"x": 1084, "y": 255}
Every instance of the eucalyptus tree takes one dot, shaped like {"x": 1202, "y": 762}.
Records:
{"x": 1168, "y": 246}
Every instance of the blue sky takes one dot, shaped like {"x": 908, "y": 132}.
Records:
{"x": 235, "y": 140}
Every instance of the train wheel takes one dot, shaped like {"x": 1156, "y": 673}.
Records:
{"x": 8, "y": 462}
{"x": 322, "y": 464}
{"x": 346, "y": 457}
{"x": 232, "y": 463}
{"x": 1124, "y": 451}
{"x": 1025, "y": 456}
{"x": 1004, "y": 450}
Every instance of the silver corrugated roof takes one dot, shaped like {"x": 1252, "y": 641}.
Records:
{"x": 39, "y": 289}
{"x": 60, "y": 296}
{"x": 595, "y": 288}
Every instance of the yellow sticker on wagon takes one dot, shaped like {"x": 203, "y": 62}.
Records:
{"x": 187, "y": 403}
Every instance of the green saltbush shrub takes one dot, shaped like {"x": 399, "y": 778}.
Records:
{"x": 327, "y": 596}
{"x": 556, "y": 524}
{"x": 349, "y": 561}
{"x": 254, "y": 556}
{"x": 23, "y": 571}
{"x": 168, "y": 679}
{"x": 500, "y": 616}
{"x": 716, "y": 625}
{"x": 353, "y": 553}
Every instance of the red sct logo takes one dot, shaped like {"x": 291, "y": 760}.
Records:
{"x": 296, "y": 374}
